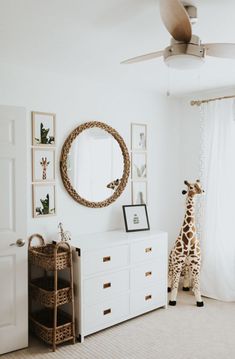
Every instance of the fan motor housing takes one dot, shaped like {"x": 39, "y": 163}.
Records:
{"x": 177, "y": 48}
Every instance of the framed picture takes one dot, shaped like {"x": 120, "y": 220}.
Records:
{"x": 139, "y": 165}
{"x": 43, "y": 166}
{"x": 43, "y": 129}
{"x": 139, "y": 192}
{"x": 136, "y": 218}
{"x": 138, "y": 137}
{"x": 44, "y": 200}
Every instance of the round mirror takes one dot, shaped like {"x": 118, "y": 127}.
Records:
{"x": 94, "y": 164}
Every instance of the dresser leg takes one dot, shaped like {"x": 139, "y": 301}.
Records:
{"x": 80, "y": 338}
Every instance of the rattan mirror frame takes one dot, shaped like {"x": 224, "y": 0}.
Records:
{"x": 63, "y": 164}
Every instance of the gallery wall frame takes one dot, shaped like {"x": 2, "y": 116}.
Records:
{"x": 138, "y": 137}
{"x": 44, "y": 200}
{"x": 139, "y": 194}
{"x": 139, "y": 165}
{"x": 43, "y": 164}
{"x": 43, "y": 128}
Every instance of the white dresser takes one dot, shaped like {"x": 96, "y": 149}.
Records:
{"x": 118, "y": 276}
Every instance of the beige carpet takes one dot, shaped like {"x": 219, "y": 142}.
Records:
{"x": 184, "y": 331}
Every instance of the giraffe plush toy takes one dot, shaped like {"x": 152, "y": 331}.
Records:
{"x": 185, "y": 256}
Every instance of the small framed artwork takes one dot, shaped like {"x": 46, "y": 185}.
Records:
{"x": 43, "y": 129}
{"x": 138, "y": 137}
{"x": 136, "y": 218}
{"x": 139, "y": 192}
{"x": 139, "y": 165}
{"x": 44, "y": 200}
{"x": 43, "y": 166}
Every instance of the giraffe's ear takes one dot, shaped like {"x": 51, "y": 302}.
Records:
{"x": 184, "y": 192}
{"x": 198, "y": 181}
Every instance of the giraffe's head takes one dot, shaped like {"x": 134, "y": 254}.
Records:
{"x": 193, "y": 188}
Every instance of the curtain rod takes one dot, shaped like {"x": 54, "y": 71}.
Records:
{"x": 199, "y": 102}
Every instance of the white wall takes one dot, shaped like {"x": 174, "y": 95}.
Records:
{"x": 77, "y": 100}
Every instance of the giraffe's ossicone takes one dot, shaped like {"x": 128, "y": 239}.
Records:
{"x": 185, "y": 257}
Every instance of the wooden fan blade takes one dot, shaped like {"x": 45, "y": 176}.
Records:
{"x": 150, "y": 56}
{"x": 220, "y": 50}
{"x": 176, "y": 19}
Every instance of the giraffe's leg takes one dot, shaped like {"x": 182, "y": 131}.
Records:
{"x": 177, "y": 269}
{"x": 195, "y": 272}
{"x": 170, "y": 272}
{"x": 186, "y": 282}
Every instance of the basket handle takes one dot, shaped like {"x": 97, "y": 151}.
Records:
{"x": 61, "y": 244}
{"x": 42, "y": 241}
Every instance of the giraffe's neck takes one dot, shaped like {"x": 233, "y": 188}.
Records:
{"x": 189, "y": 218}
{"x": 44, "y": 173}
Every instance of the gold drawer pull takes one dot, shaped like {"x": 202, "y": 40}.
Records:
{"x": 106, "y": 285}
{"x": 107, "y": 259}
{"x": 107, "y": 311}
{"x": 148, "y": 297}
{"x": 148, "y": 274}
{"x": 149, "y": 249}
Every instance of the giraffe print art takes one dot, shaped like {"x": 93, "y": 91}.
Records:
{"x": 44, "y": 163}
{"x": 185, "y": 257}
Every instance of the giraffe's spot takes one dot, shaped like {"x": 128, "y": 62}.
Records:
{"x": 189, "y": 219}
{"x": 185, "y": 239}
{"x": 193, "y": 228}
{"x": 190, "y": 206}
{"x": 188, "y": 213}
{"x": 186, "y": 229}
{"x": 190, "y": 235}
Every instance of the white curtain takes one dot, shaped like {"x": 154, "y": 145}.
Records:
{"x": 218, "y": 226}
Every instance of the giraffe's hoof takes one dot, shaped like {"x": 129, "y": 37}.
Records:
{"x": 168, "y": 289}
{"x": 200, "y": 304}
{"x": 172, "y": 302}
{"x": 186, "y": 289}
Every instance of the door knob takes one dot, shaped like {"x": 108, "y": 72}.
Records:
{"x": 19, "y": 243}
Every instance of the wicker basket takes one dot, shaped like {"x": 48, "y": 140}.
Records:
{"x": 41, "y": 323}
{"x": 49, "y": 256}
{"x": 42, "y": 291}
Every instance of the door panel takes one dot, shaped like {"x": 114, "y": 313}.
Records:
{"x": 13, "y": 217}
{"x": 7, "y": 222}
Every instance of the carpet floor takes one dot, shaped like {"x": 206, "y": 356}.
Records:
{"x": 181, "y": 332}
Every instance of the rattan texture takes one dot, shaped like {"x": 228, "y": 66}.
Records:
{"x": 42, "y": 291}
{"x": 63, "y": 164}
{"x": 41, "y": 323}
{"x": 44, "y": 257}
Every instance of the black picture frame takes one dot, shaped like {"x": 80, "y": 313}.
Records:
{"x": 136, "y": 218}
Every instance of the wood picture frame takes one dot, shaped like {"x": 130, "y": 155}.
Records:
{"x": 44, "y": 200}
{"x": 43, "y": 164}
{"x": 139, "y": 166}
{"x": 139, "y": 192}
{"x": 138, "y": 137}
{"x": 43, "y": 129}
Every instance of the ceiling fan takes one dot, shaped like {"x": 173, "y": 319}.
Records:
{"x": 186, "y": 50}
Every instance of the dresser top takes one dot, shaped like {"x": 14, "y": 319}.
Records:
{"x": 114, "y": 238}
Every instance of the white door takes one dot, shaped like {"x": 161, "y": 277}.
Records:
{"x": 13, "y": 216}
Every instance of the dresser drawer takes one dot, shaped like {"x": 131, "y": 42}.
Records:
{"x": 103, "y": 260}
{"x": 103, "y": 287}
{"x": 148, "y": 250}
{"x": 147, "y": 274}
{"x": 148, "y": 299}
{"x": 99, "y": 316}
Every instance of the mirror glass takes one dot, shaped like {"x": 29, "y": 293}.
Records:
{"x": 94, "y": 161}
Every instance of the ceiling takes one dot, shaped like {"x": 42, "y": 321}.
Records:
{"x": 89, "y": 38}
